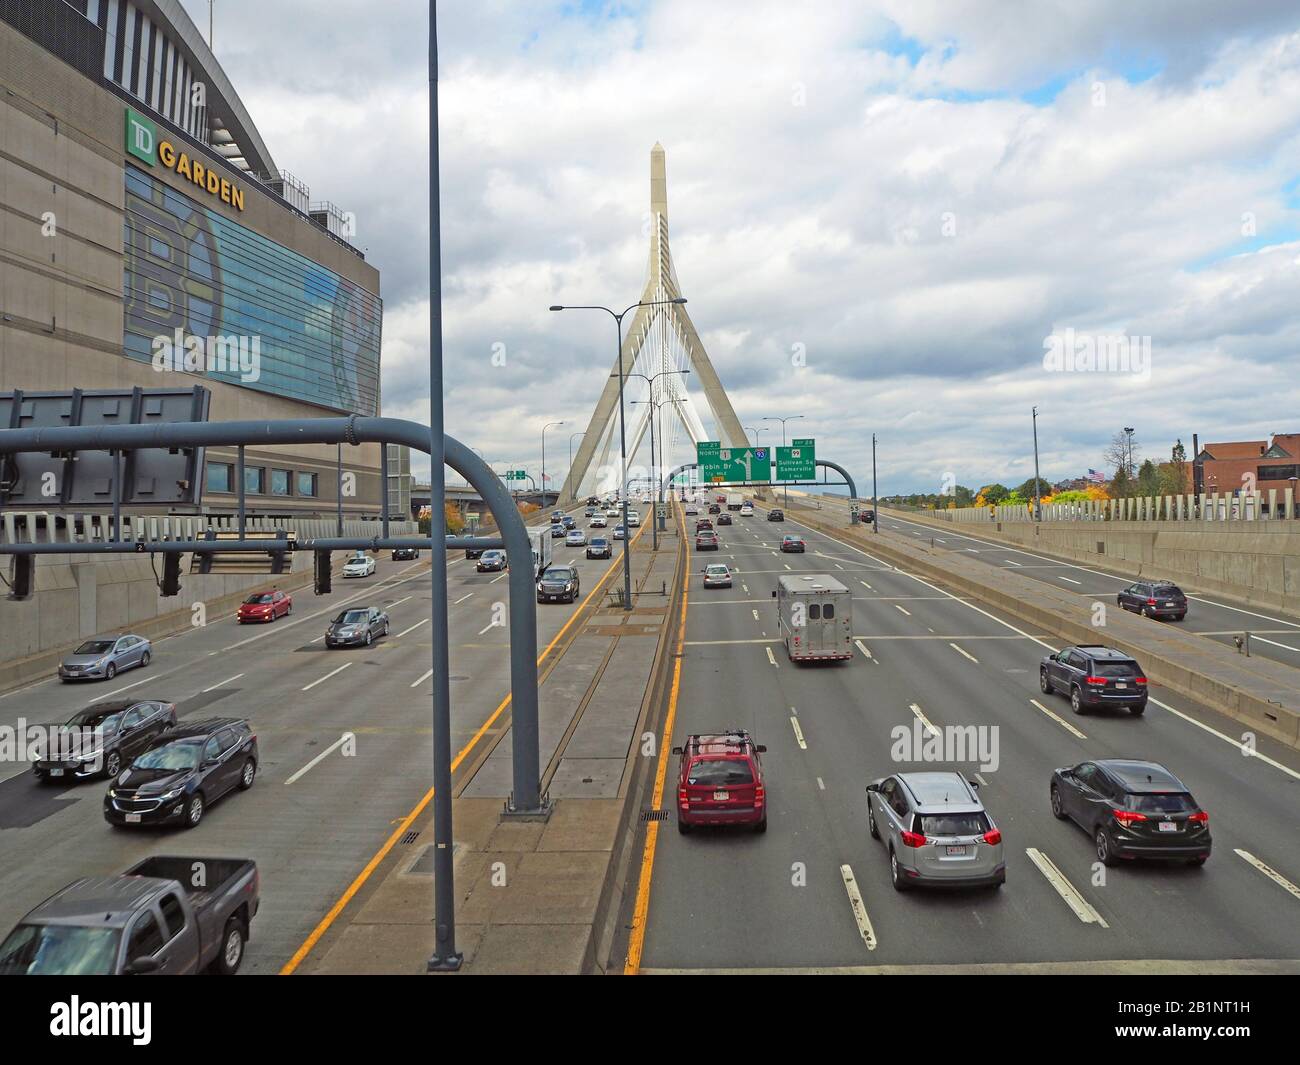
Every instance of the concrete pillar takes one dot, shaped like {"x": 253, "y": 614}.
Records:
{"x": 1288, "y": 502}
{"x": 1272, "y": 503}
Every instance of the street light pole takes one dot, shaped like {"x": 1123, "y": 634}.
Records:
{"x": 875, "y": 503}
{"x": 656, "y": 521}
{"x": 622, "y": 423}
{"x": 788, "y": 418}
{"x": 1038, "y": 505}
{"x": 544, "y": 428}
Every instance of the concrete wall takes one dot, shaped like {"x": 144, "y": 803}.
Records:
{"x": 1254, "y": 562}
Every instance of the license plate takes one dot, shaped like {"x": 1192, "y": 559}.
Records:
{"x": 1168, "y": 826}
{"x": 721, "y": 796}
{"x": 1120, "y": 684}
{"x": 132, "y": 819}
{"x": 56, "y": 772}
{"x": 956, "y": 851}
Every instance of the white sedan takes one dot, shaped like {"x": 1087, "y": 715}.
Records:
{"x": 359, "y": 566}
{"x": 598, "y": 522}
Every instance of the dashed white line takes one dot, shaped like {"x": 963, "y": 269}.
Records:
{"x": 920, "y": 716}
{"x": 798, "y": 733}
{"x": 422, "y": 621}
{"x": 771, "y": 657}
{"x": 755, "y": 613}
{"x": 966, "y": 653}
{"x": 1071, "y": 580}
{"x": 322, "y": 756}
{"x": 1269, "y": 872}
{"x": 221, "y": 682}
{"x": 903, "y": 609}
{"x": 427, "y": 674}
{"x": 1083, "y": 909}
{"x": 863, "y": 648}
{"x": 462, "y": 599}
{"x": 859, "y": 907}
{"x": 327, "y": 676}
{"x": 1059, "y": 720}
{"x": 866, "y": 586}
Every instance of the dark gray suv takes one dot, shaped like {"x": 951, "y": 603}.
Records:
{"x": 1092, "y": 676}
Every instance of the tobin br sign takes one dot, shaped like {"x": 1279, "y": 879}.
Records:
{"x": 142, "y": 141}
{"x": 736, "y": 465}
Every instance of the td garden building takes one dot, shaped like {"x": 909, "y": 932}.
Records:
{"x": 147, "y": 239}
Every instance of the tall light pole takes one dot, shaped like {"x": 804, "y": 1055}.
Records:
{"x": 1128, "y": 431}
{"x": 1038, "y": 505}
{"x": 789, "y": 418}
{"x": 875, "y": 503}
{"x": 751, "y": 429}
{"x": 656, "y": 521}
{"x": 548, "y": 425}
{"x": 622, "y": 422}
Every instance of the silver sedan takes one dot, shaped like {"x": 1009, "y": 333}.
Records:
{"x": 104, "y": 657}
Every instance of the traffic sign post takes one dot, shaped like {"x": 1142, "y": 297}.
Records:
{"x": 798, "y": 462}
{"x": 735, "y": 465}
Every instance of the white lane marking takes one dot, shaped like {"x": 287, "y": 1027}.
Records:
{"x": 787, "y": 565}
{"x": 821, "y": 785}
{"x": 495, "y": 579}
{"x": 920, "y": 716}
{"x": 798, "y": 733}
{"x": 124, "y": 688}
{"x": 983, "y": 783}
{"x": 489, "y": 625}
{"x": 327, "y": 676}
{"x": 462, "y": 599}
{"x": 960, "y": 651}
{"x": 1082, "y": 908}
{"x": 221, "y": 682}
{"x": 859, "y": 908}
{"x": 771, "y": 657}
{"x": 398, "y": 602}
{"x": 1269, "y": 872}
{"x": 903, "y": 609}
{"x": 422, "y": 621}
{"x": 744, "y": 588}
{"x": 755, "y": 613}
{"x": 838, "y": 566}
{"x": 1248, "y": 752}
{"x": 1010, "y": 563}
{"x": 866, "y": 586}
{"x": 320, "y": 757}
{"x": 1071, "y": 580}
{"x": 940, "y": 540}
{"x": 1059, "y": 720}
{"x": 427, "y": 674}
{"x": 863, "y": 648}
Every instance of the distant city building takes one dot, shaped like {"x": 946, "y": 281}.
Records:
{"x": 1248, "y": 465}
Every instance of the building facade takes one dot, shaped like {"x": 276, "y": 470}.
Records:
{"x": 148, "y": 239}
{"x": 1243, "y": 466}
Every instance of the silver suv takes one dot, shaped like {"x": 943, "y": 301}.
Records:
{"x": 935, "y": 830}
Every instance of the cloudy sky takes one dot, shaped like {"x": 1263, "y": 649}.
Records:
{"x": 880, "y": 211}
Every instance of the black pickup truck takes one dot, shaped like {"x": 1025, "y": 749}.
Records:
{"x": 164, "y": 915}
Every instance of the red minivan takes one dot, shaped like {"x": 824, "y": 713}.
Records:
{"x": 720, "y": 782}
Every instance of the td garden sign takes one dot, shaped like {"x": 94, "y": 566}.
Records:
{"x": 142, "y": 141}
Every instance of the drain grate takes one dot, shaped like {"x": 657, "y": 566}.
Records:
{"x": 654, "y": 815}
{"x": 410, "y": 837}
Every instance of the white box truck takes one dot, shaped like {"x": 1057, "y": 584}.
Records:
{"x": 814, "y": 616}
{"x": 541, "y": 539}
{"x": 735, "y": 500}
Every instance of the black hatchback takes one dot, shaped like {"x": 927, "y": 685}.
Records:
{"x": 183, "y": 773}
{"x": 1154, "y": 599}
{"x": 1092, "y": 676}
{"x": 1132, "y": 809}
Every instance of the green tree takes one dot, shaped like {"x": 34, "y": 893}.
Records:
{"x": 1120, "y": 485}
{"x": 1173, "y": 474}
{"x": 995, "y": 493}
{"x": 1026, "y": 490}
{"x": 1148, "y": 479}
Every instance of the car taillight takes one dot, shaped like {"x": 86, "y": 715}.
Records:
{"x": 913, "y": 839}
{"x": 992, "y": 837}
{"x": 1139, "y": 680}
{"x": 758, "y": 794}
{"x": 681, "y": 797}
{"x": 1151, "y": 602}
{"x": 1200, "y": 817}
{"x": 1129, "y": 817}
{"x": 1095, "y": 681}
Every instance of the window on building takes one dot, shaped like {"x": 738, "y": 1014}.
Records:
{"x": 280, "y": 482}
{"x": 306, "y": 484}
{"x": 220, "y": 477}
{"x": 255, "y": 480}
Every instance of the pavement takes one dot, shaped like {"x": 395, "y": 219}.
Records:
{"x": 813, "y": 893}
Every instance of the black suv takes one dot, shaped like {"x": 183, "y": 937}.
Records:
{"x": 1154, "y": 599}
{"x": 1093, "y": 675}
{"x": 1132, "y": 809}
{"x": 183, "y": 772}
{"x": 402, "y": 554}
{"x": 776, "y": 515}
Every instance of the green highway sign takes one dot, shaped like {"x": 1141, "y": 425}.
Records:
{"x": 798, "y": 462}
{"x": 721, "y": 465}
{"x": 516, "y": 475}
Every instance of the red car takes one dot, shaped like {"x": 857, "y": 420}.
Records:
{"x": 720, "y": 782}
{"x": 265, "y": 606}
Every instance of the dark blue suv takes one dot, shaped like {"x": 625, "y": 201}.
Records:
{"x": 1092, "y": 676}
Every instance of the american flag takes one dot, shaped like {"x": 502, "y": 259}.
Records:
{"x": 1096, "y": 475}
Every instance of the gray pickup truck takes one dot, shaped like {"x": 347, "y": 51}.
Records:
{"x": 164, "y": 915}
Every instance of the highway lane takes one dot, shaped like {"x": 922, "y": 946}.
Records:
{"x": 1274, "y": 634}
{"x": 712, "y": 891}
{"x": 311, "y": 822}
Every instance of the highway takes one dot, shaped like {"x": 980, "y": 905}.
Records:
{"x": 1273, "y": 634}
{"x": 316, "y": 814}
{"x": 732, "y": 900}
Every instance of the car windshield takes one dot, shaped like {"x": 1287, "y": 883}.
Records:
{"x": 173, "y": 757}
{"x": 558, "y": 573}
{"x": 598, "y": 541}
{"x": 94, "y": 647}
{"x": 351, "y": 617}
{"x": 1117, "y": 670}
{"x": 715, "y": 771}
{"x": 491, "y": 555}
{"x": 717, "y": 571}
{"x": 1166, "y": 589}
{"x": 59, "y": 950}
{"x": 1168, "y": 803}
{"x": 263, "y": 597}
{"x": 952, "y": 824}
{"x": 95, "y": 717}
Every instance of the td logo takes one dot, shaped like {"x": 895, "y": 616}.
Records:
{"x": 141, "y": 137}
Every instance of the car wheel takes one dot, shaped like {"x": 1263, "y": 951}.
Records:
{"x": 1045, "y": 682}
{"x": 112, "y": 765}
{"x": 232, "y": 948}
{"x": 369, "y": 637}
{"x": 288, "y": 610}
{"x": 1138, "y": 709}
{"x": 1058, "y": 810}
{"x": 871, "y": 821}
{"x": 144, "y": 659}
{"x": 761, "y": 827}
{"x": 895, "y": 873}
{"x": 194, "y": 810}
{"x": 1179, "y": 617}
{"x": 1076, "y": 702}
{"x": 1198, "y": 861}
{"x": 683, "y": 828}
{"x": 1146, "y": 612}
{"x": 111, "y": 671}
{"x": 247, "y": 775}
{"x": 1104, "y": 854}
